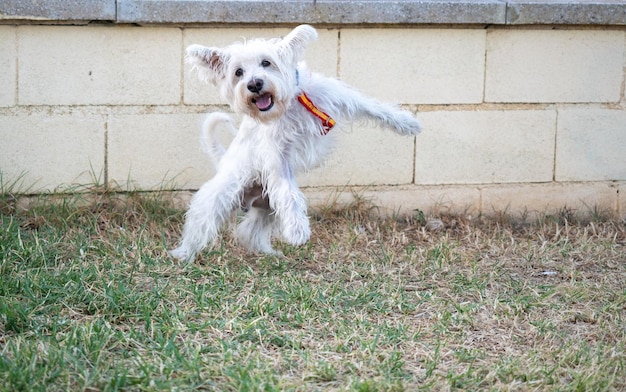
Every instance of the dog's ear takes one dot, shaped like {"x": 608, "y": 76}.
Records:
{"x": 210, "y": 62}
{"x": 293, "y": 46}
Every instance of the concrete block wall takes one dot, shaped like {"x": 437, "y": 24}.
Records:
{"x": 524, "y": 118}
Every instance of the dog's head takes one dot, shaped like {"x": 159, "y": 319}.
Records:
{"x": 257, "y": 77}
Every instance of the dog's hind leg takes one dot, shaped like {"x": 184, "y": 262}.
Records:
{"x": 255, "y": 231}
{"x": 210, "y": 207}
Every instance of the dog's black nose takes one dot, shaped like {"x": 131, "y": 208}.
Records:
{"x": 255, "y": 85}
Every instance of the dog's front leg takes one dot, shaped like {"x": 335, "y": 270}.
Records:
{"x": 288, "y": 203}
{"x": 209, "y": 209}
{"x": 354, "y": 105}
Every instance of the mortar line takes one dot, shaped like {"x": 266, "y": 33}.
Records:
{"x": 183, "y": 32}
{"x": 480, "y": 199}
{"x": 414, "y": 182}
{"x": 617, "y": 206}
{"x": 554, "y": 152}
{"x": 338, "y": 65}
{"x": 485, "y": 66}
{"x": 17, "y": 67}
{"x": 106, "y": 152}
{"x": 506, "y": 13}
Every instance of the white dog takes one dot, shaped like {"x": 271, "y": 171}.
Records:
{"x": 288, "y": 114}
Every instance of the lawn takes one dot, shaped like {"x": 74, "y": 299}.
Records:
{"x": 89, "y": 300}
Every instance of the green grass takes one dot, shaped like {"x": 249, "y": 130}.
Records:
{"x": 90, "y": 301}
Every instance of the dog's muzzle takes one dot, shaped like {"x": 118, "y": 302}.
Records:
{"x": 263, "y": 102}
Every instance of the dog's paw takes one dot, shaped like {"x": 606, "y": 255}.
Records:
{"x": 407, "y": 124}
{"x": 272, "y": 252}
{"x": 181, "y": 254}
{"x": 297, "y": 234}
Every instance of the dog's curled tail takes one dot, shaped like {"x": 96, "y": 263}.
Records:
{"x": 209, "y": 140}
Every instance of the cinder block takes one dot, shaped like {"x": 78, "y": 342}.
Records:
{"x": 157, "y": 151}
{"x": 536, "y": 200}
{"x": 427, "y": 66}
{"x": 8, "y": 61}
{"x": 95, "y": 65}
{"x": 591, "y": 145}
{"x": 321, "y": 56}
{"x": 554, "y": 65}
{"x": 48, "y": 152}
{"x": 365, "y": 155}
{"x": 485, "y": 147}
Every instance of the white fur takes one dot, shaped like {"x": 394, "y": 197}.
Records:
{"x": 257, "y": 171}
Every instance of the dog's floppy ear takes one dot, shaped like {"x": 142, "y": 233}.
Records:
{"x": 210, "y": 62}
{"x": 293, "y": 46}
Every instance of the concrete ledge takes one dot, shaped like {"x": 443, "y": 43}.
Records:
{"x": 325, "y": 12}
{"x": 314, "y": 12}
{"x": 57, "y": 11}
{"x": 525, "y": 201}
{"x": 566, "y": 12}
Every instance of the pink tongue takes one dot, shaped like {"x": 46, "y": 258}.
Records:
{"x": 264, "y": 101}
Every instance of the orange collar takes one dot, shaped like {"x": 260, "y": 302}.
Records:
{"x": 327, "y": 121}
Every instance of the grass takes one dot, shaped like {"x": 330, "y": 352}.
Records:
{"x": 90, "y": 301}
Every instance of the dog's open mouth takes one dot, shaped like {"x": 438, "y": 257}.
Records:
{"x": 264, "y": 102}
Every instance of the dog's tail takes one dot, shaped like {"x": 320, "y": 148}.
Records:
{"x": 209, "y": 140}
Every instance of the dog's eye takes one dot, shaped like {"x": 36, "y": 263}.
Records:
{"x": 239, "y": 72}
{"x": 265, "y": 63}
